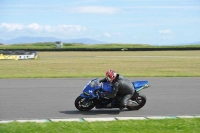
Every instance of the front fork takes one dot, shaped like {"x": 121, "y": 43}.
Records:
{"x": 85, "y": 101}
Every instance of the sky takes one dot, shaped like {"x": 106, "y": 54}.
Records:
{"x": 156, "y": 22}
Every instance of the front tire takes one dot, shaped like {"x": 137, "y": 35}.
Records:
{"x": 140, "y": 99}
{"x": 83, "y": 105}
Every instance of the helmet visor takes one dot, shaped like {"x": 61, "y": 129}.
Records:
{"x": 108, "y": 78}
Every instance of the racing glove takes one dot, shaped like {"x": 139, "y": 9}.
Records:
{"x": 102, "y": 80}
{"x": 101, "y": 95}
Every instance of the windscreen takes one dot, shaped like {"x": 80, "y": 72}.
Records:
{"x": 95, "y": 82}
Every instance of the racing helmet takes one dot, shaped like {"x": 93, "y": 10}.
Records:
{"x": 110, "y": 75}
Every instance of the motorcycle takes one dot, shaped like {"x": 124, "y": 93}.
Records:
{"x": 90, "y": 96}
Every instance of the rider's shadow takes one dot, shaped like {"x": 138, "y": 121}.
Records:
{"x": 91, "y": 112}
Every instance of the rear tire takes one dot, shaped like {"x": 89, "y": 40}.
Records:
{"x": 140, "y": 99}
{"x": 82, "y": 105}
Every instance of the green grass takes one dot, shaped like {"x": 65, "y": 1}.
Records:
{"x": 95, "y": 64}
{"x": 51, "y": 45}
{"x": 128, "y": 126}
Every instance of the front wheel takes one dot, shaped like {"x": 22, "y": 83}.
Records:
{"x": 140, "y": 99}
{"x": 83, "y": 104}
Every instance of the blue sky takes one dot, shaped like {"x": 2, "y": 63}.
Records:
{"x": 113, "y": 21}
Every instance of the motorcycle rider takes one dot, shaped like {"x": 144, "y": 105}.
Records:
{"x": 120, "y": 85}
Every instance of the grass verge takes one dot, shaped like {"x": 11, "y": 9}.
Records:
{"x": 128, "y": 126}
{"x": 94, "y": 64}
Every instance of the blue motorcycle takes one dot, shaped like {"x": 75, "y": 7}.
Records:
{"x": 90, "y": 96}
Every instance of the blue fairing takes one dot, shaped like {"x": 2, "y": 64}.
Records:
{"x": 107, "y": 87}
{"x": 92, "y": 86}
{"x": 85, "y": 96}
{"x": 140, "y": 84}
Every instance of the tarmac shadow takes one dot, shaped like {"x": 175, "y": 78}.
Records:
{"x": 92, "y": 112}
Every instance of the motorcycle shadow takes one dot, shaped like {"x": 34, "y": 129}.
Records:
{"x": 92, "y": 112}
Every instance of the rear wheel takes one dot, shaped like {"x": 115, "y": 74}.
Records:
{"x": 83, "y": 105}
{"x": 140, "y": 99}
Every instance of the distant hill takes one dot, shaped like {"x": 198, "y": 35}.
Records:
{"x": 193, "y": 43}
{"x": 24, "y": 39}
{"x": 196, "y": 42}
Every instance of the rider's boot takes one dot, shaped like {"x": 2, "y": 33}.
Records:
{"x": 121, "y": 107}
{"x": 132, "y": 103}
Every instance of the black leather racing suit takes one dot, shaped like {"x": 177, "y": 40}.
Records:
{"x": 122, "y": 86}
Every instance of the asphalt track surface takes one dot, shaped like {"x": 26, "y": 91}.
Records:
{"x": 54, "y": 98}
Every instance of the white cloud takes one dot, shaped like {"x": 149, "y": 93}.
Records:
{"x": 94, "y": 9}
{"x": 34, "y": 27}
{"x": 106, "y": 34}
{"x": 166, "y": 34}
{"x": 167, "y": 37}
{"x": 167, "y": 31}
{"x": 116, "y": 35}
{"x": 72, "y": 28}
{"x": 165, "y": 7}
{"x": 35, "y": 9}
{"x": 11, "y": 27}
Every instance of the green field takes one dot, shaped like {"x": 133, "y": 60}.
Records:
{"x": 128, "y": 126}
{"x": 94, "y": 64}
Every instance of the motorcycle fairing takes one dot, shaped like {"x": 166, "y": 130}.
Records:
{"x": 138, "y": 85}
{"x": 88, "y": 91}
{"x": 106, "y": 86}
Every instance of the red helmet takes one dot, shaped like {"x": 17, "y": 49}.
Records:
{"x": 110, "y": 75}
